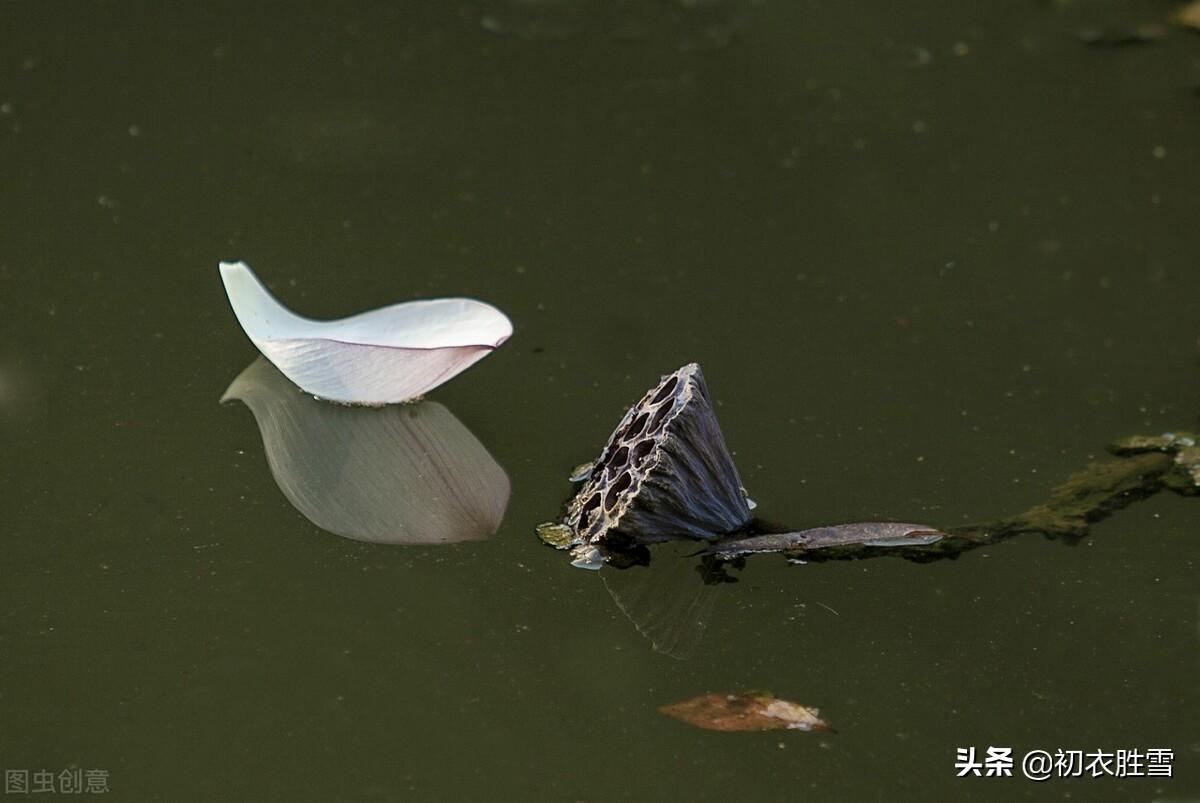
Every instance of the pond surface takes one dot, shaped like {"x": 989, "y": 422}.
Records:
{"x": 932, "y": 258}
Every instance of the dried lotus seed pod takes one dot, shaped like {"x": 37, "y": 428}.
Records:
{"x": 664, "y": 474}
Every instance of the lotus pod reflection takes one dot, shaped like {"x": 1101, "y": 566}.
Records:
{"x": 665, "y": 473}
{"x": 671, "y": 599}
{"x": 411, "y": 474}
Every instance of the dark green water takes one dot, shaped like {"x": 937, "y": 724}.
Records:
{"x": 931, "y": 258}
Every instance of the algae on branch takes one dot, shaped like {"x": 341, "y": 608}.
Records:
{"x": 1100, "y": 489}
{"x": 1166, "y": 442}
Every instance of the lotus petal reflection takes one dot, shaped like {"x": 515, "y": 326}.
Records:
{"x": 387, "y": 355}
{"x": 398, "y": 475}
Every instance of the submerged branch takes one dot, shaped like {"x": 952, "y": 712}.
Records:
{"x": 1141, "y": 467}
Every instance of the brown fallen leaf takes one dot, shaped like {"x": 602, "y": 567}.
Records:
{"x": 1188, "y": 16}
{"x": 745, "y": 712}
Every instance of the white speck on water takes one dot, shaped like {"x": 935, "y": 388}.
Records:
{"x": 1159, "y": 152}
{"x": 826, "y": 607}
{"x": 919, "y": 127}
{"x": 960, "y": 49}
{"x": 135, "y": 131}
{"x": 6, "y": 108}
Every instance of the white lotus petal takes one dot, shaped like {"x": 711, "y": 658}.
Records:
{"x": 387, "y": 355}
{"x": 397, "y": 475}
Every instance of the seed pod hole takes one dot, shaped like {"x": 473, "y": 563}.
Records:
{"x": 666, "y": 390}
{"x": 614, "y": 493}
{"x": 660, "y": 416}
{"x": 636, "y": 427}
{"x": 618, "y": 460}
{"x": 589, "y": 508}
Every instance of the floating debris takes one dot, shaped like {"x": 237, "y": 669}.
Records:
{"x": 1185, "y": 477}
{"x": 664, "y": 474}
{"x": 746, "y": 712}
{"x": 582, "y": 472}
{"x": 1166, "y": 442}
{"x": 559, "y": 536}
{"x": 1187, "y": 463}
